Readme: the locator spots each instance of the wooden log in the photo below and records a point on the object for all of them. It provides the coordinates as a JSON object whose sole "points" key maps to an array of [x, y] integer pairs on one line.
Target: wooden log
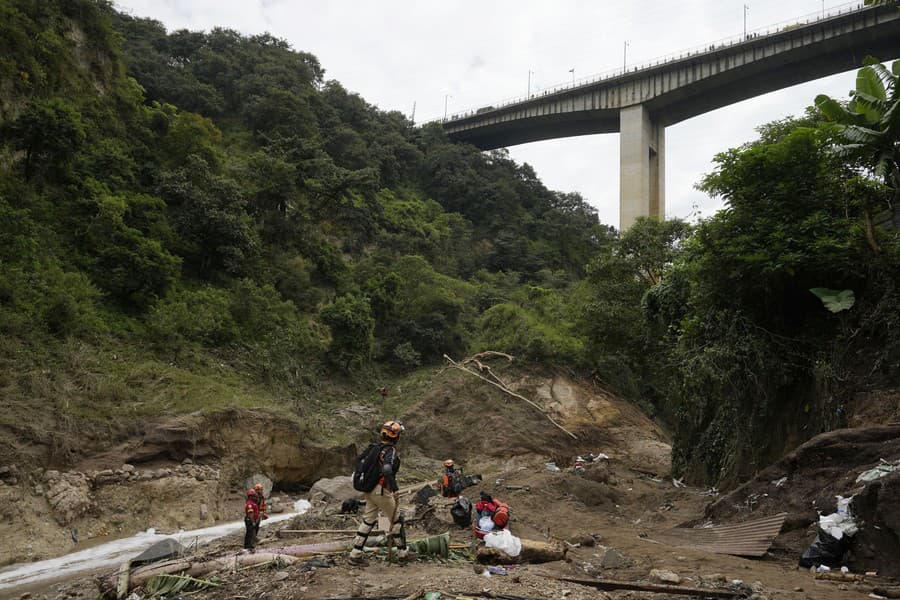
{"points": [[611, 585], [532, 552], [887, 592], [839, 576]]}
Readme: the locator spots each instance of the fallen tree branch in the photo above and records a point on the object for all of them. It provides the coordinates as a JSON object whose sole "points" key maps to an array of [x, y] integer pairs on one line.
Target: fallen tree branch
{"points": [[611, 584], [457, 365]]}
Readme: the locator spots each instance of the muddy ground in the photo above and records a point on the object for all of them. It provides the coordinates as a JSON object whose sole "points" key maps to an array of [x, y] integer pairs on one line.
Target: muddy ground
{"points": [[617, 509]]}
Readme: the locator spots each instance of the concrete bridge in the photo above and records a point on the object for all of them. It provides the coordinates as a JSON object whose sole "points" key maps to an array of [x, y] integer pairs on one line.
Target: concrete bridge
{"points": [[640, 103]]}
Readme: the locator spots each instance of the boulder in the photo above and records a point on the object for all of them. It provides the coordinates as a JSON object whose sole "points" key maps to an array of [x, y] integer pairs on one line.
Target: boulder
{"points": [[877, 512], [259, 478], [664, 576], [69, 497], [333, 489]]}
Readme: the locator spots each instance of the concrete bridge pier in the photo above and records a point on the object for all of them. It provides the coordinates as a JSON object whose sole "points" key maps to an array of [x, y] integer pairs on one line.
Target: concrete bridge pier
{"points": [[642, 166]]}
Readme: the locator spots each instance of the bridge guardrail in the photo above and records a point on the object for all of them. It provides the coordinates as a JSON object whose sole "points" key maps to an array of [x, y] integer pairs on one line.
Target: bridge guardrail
{"points": [[810, 18]]}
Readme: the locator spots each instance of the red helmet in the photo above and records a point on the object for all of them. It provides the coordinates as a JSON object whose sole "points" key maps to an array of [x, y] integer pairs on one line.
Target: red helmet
{"points": [[251, 493], [391, 430]]}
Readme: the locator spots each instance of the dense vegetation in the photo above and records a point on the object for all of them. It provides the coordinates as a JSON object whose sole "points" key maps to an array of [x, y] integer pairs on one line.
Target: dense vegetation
{"points": [[210, 202]]}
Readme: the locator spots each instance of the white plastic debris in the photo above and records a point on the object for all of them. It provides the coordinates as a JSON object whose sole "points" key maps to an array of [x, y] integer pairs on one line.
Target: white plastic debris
{"points": [[841, 522], [551, 466], [780, 482], [883, 468]]}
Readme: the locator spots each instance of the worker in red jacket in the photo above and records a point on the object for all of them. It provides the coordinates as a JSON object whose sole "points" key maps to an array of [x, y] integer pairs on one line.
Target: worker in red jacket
{"points": [[251, 519], [261, 501]]}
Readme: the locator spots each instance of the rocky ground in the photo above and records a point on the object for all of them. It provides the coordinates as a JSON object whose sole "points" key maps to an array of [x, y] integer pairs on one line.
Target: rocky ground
{"points": [[604, 518]]}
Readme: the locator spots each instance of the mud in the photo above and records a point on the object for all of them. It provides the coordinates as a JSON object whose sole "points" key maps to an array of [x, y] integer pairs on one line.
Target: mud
{"points": [[605, 516]]}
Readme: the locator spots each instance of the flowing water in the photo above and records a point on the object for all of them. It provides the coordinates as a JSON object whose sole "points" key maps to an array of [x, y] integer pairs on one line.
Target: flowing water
{"points": [[111, 554]]}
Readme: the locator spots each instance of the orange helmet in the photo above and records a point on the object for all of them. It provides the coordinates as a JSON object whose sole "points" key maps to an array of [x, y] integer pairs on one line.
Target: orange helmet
{"points": [[449, 463], [251, 493], [390, 431], [258, 487]]}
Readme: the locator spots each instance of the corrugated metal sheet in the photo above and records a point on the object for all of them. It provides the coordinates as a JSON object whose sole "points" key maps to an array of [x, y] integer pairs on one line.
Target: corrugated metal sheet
{"points": [[751, 538]]}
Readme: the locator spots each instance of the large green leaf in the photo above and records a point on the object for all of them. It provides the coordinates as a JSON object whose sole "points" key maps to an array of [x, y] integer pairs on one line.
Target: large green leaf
{"points": [[835, 300], [868, 82], [832, 109], [895, 68]]}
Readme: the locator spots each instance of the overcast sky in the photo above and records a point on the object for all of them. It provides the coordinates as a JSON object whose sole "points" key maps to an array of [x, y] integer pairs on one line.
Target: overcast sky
{"points": [[397, 53]]}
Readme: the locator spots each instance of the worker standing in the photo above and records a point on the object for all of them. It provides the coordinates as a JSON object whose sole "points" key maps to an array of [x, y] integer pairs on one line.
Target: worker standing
{"points": [[261, 502], [251, 519], [383, 497]]}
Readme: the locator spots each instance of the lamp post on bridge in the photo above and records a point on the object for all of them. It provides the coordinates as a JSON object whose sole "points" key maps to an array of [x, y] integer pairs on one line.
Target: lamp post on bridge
{"points": [[746, 8], [530, 73], [445, 105], [572, 71], [624, 57]]}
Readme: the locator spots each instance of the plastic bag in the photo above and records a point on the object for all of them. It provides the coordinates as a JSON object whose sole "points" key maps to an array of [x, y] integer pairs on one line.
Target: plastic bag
{"points": [[826, 550], [462, 512], [486, 524], [503, 540], [841, 522]]}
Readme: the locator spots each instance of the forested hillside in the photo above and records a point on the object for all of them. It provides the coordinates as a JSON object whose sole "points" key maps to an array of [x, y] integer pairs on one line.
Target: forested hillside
{"points": [[203, 219]]}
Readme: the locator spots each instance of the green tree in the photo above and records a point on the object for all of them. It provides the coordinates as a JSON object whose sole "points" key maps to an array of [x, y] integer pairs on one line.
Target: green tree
{"points": [[49, 132], [868, 131], [350, 320]]}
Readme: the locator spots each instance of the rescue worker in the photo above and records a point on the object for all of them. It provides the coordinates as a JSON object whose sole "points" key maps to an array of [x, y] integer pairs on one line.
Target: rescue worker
{"points": [[261, 501], [448, 479], [384, 497], [251, 519]]}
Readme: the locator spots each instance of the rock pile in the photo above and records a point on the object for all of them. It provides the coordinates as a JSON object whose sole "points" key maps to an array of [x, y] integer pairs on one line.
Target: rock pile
{"points": [[70, 493]]}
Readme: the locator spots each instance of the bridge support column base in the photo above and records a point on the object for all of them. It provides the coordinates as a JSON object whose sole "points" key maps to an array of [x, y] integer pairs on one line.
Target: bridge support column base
{"points": [[642, 166]]}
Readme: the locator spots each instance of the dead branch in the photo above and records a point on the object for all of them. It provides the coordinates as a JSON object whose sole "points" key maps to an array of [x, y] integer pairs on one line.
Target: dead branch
{"points": [[457, 365], [610, 584]]}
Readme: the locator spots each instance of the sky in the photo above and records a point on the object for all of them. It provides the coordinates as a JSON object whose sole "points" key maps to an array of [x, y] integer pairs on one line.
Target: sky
{"points": [[463, 54]]}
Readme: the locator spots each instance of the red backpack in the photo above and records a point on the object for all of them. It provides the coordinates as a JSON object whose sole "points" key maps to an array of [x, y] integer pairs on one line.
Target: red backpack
{"points": [[501, 515]]}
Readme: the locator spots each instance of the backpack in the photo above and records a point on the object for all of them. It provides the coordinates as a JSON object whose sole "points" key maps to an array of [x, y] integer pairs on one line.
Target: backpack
{"points": [[462, 512], [501, 515], [451, 484], [366, 470]]}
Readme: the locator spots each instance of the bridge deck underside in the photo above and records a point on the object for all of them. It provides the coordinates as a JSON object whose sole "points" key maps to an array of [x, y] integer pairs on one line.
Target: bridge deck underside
{"points": [[701, 84]]}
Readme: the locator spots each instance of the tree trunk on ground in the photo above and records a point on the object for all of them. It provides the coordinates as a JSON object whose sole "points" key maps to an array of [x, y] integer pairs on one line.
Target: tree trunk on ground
{"points": [[532, 552]]}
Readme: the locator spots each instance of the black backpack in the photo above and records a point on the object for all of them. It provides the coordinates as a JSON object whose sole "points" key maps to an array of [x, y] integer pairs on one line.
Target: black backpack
{"points": [[366, 470], [462, 512]]}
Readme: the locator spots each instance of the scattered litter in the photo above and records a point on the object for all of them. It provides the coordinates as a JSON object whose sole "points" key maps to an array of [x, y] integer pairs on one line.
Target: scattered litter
{"points": [[823, 569], [840, 522], [845, 570], [551, 466], [831, 541], [710, 492], [679, 483], [497, 570], [780, 482], [883, 468]]}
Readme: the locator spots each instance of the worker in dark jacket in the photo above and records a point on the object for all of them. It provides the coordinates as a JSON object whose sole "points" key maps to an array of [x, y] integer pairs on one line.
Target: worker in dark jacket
{"points": [[251, 519], [384, 497]]}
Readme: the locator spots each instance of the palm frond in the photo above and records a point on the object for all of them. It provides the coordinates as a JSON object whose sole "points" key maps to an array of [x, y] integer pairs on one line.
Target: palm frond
{"points": [[167, 585]]}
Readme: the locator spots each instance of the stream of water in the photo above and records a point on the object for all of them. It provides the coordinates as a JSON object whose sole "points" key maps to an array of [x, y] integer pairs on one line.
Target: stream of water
{"points": [[111, 554]]}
